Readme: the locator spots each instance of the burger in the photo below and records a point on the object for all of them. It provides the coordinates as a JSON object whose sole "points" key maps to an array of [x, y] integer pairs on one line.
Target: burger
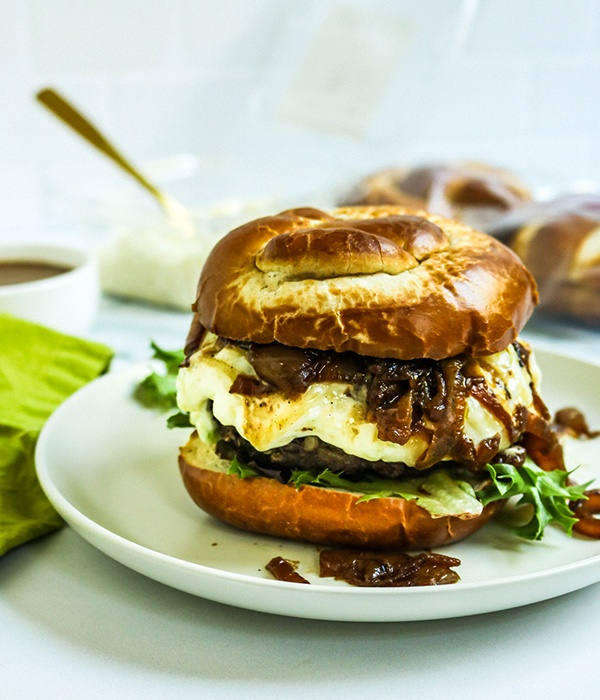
{"points": [[355, 378]]}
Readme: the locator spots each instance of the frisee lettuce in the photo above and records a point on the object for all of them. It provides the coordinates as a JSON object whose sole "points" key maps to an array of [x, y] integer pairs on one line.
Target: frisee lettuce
{"points": [[549, 492], [441, 495], [171, 359], [241, 470], [159, 391], [437, 492]]}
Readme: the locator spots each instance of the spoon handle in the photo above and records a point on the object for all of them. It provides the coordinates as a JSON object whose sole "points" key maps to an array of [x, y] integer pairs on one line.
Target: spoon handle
{"points": [[59, 106]]}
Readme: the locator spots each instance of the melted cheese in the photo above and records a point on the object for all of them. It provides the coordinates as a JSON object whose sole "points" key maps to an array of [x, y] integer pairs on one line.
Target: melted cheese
{"points": [[332, 411]]}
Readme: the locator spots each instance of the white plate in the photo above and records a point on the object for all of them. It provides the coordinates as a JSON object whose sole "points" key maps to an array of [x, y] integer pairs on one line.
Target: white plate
{"points": [[110, 468]]}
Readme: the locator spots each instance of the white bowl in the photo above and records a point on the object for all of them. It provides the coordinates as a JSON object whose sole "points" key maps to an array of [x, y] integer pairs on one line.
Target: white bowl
{"points": [[67, 301]]}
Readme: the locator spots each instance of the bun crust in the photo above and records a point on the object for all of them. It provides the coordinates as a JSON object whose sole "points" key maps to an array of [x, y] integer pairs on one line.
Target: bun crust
{"points": [[314, 514], [382, 281]]}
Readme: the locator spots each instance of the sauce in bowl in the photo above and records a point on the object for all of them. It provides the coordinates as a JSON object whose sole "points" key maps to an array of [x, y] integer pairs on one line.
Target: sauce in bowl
{"points": [[19, 271]]}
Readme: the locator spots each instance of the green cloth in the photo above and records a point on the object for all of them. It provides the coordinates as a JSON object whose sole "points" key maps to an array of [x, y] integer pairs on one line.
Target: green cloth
{"points": [[39, 369]]}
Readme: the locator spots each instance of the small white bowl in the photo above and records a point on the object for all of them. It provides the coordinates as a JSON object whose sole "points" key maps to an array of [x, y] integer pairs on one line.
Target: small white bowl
{"points": [[66, 301]]}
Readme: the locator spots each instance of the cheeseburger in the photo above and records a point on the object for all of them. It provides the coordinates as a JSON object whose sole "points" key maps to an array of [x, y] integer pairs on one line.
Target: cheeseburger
{"points": [[351, 376]]}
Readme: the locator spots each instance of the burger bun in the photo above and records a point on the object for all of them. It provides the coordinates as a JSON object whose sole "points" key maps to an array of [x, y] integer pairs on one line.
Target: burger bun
{"points": [[313, 513]]}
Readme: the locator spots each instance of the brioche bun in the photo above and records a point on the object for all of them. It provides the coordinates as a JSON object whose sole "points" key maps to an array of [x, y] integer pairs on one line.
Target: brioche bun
{"points": [[382, 281], [315, 514], [386, 283]]}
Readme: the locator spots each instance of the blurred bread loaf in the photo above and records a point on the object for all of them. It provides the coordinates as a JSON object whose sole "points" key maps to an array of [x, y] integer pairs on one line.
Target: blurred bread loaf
{"points": [[559, 241], [473, 193]]}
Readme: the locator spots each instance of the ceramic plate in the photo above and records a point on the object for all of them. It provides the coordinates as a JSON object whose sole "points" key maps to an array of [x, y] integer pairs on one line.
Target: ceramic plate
{"points": [[110, 468]]}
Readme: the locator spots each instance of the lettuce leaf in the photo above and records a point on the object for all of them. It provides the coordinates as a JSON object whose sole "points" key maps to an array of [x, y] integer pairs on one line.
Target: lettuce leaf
{"points": [[179, 420], [159, 390], [441, 494], [437, 491], [548, 492], [241, 470], [171, 359]]}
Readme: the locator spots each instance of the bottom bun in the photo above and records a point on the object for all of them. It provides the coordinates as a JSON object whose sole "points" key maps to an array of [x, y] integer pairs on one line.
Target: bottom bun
{"points": [[313, 513]]}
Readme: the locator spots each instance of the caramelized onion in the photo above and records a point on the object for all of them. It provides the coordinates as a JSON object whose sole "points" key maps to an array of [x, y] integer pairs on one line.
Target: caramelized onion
{"points": [[407, 398], [285, 570], [573, 421], [291, 370], [249, 386], [585, 509], [388, 569]]}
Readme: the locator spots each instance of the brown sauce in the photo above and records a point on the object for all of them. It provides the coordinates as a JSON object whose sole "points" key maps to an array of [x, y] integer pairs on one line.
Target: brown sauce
{"points": [[284, 570], [388, 569], [19, 271], [572, 421], [375, 569]]}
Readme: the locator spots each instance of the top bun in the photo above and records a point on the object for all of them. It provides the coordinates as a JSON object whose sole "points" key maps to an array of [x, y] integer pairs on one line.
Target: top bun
{"points": [[384, 281]]}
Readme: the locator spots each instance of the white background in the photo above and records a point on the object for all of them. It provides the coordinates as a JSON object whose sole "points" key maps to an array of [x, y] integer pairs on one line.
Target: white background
{"points": [[287, 98]]}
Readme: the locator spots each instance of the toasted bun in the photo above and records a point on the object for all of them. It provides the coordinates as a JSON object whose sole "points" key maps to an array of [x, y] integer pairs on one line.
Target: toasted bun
{"points": [[312, 513], [382, 281]]}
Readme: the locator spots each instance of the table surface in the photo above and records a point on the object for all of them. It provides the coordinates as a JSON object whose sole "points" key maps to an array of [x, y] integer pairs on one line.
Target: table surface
{"points": [[76, 624]]}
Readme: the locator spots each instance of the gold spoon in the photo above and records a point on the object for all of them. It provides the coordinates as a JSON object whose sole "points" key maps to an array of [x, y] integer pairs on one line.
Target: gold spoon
{"points": [[178, 214]]}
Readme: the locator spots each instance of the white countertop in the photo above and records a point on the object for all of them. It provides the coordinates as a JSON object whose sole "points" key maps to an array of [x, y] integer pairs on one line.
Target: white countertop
{"points": [[76, 624]]}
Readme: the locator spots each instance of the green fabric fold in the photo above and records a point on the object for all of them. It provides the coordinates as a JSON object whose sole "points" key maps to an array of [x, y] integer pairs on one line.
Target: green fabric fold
{"points": [[39, 369]]}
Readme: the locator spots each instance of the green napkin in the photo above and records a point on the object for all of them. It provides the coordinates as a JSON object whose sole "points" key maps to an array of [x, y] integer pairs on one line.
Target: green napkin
{"points": [[39, 368]]}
